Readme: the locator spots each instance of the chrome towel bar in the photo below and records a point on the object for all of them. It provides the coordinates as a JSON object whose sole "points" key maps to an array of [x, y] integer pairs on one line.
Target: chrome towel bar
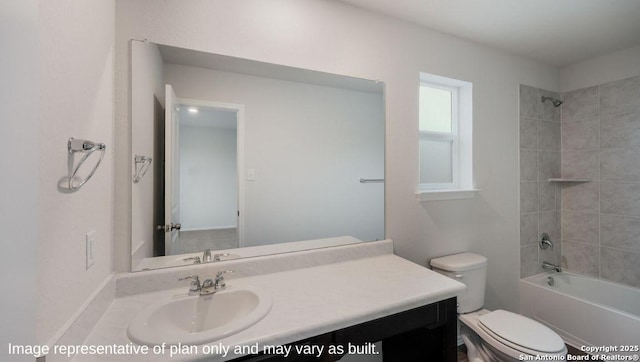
{"points": [[371, 180]]}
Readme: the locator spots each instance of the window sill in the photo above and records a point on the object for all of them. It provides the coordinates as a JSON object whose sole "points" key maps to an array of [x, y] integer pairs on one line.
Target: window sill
{"points": [[437, 195]]}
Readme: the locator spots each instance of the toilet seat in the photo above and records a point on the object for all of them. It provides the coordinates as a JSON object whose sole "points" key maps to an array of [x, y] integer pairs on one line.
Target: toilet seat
{"points": [[526, 334], [521, 332]]}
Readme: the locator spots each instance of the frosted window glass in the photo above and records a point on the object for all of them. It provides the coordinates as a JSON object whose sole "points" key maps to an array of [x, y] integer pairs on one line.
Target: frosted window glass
{"points": [[436, 161], [435, 109]]}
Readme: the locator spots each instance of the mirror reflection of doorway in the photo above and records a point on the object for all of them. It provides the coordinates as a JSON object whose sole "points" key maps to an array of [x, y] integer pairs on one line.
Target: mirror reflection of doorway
{"points": [[200, 168], [208, 179]]}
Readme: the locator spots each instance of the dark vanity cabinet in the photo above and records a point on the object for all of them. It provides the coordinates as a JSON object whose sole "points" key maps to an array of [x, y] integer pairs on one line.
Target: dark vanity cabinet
{"points": [[426, 333]]}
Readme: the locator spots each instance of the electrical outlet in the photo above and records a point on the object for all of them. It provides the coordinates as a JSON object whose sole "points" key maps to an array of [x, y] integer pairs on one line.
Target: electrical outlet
{"points": [[90, 238]]}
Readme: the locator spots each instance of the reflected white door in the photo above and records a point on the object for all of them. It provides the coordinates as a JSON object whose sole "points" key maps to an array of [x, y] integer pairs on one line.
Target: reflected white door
{"points": [[171, 171]]}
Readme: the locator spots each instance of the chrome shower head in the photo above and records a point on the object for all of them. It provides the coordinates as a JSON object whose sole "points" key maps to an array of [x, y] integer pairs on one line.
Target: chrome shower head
{"points": [[556, 102]]}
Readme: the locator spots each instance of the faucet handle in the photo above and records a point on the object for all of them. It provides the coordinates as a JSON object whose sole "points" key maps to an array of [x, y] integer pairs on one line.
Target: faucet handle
{"points": [[194, 277], [195, 283], [196, 259], [217, 257], [545, 242], [219, 282]]}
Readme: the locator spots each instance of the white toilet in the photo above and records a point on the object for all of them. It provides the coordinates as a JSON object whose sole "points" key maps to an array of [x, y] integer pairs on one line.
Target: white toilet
{"points": [[499, 335]]}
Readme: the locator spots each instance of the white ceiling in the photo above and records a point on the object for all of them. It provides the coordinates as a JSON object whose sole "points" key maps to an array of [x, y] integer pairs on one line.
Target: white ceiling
{"points": [[557, 32]]}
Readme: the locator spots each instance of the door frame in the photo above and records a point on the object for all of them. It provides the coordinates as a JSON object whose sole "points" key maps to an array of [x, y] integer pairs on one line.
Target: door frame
{"points": [[239, 109]]}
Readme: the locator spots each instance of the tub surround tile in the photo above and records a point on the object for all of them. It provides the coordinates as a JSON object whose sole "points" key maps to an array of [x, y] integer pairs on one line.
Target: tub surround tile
{"points": [[528, 165], [620, 130], [558, 198], [548, 165], [620, 198], [549, 136], [581, 197], [580, 226], [540, 160], [621, 232], [551, 256], [581, 164], [529, 101], [529, 261], [547, 196], [621, 266], [598, 140], [549, 222], [620, 164], [528, 133], [620, 96], [528, 197], [580, 258], [580, 104], [581, 135], [528, 229]]}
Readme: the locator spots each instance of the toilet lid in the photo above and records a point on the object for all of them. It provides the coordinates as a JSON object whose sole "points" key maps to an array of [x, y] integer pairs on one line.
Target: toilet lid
{"points": [[522, 331]]}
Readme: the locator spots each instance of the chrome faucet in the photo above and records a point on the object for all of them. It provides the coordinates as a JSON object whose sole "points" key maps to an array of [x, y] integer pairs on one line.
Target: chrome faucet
{"points": [[206, 256], [208, 286], [195, 287], [549, 266], [196, 259]]}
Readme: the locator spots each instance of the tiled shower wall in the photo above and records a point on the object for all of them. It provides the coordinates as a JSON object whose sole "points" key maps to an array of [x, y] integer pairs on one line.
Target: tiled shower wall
{"points": [[539, 160], [600, 219]]}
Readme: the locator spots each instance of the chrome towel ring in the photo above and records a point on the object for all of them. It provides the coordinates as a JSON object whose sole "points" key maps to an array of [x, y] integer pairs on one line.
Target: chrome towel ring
{"points": [[87, 147]]}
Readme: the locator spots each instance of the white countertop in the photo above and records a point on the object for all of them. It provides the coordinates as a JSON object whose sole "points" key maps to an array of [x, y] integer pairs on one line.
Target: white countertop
{"points": [[306, 302]]}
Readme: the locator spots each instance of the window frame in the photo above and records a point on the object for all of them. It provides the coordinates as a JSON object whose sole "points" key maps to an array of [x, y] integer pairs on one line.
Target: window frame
{"points": [[453, 137], [462, 186]]}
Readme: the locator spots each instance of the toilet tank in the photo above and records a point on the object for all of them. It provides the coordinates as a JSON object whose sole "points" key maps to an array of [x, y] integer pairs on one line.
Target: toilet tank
{"points": [[469, 269]]}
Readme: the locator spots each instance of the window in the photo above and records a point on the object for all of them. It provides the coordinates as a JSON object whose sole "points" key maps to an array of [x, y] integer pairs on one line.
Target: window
{"points": [[438, 137], [445, 134]]}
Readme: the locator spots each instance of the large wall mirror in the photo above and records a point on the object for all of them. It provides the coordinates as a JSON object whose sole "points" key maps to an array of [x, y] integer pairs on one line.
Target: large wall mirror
{"points": [[236, 158]]}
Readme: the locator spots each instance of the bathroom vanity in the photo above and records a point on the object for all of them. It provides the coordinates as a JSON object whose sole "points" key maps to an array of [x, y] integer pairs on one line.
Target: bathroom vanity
{"points": [[340, 297], [426, 333]]}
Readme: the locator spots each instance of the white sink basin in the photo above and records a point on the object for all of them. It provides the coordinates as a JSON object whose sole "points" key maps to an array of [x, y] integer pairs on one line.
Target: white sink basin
{"points": [[199, 319]]}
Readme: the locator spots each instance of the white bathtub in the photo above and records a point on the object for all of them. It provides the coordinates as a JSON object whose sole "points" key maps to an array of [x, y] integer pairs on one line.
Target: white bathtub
{"points": [[585, 312]]}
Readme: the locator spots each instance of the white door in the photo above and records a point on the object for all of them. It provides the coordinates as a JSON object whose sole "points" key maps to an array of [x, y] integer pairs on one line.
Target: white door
{"points": [[171, 171]]}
